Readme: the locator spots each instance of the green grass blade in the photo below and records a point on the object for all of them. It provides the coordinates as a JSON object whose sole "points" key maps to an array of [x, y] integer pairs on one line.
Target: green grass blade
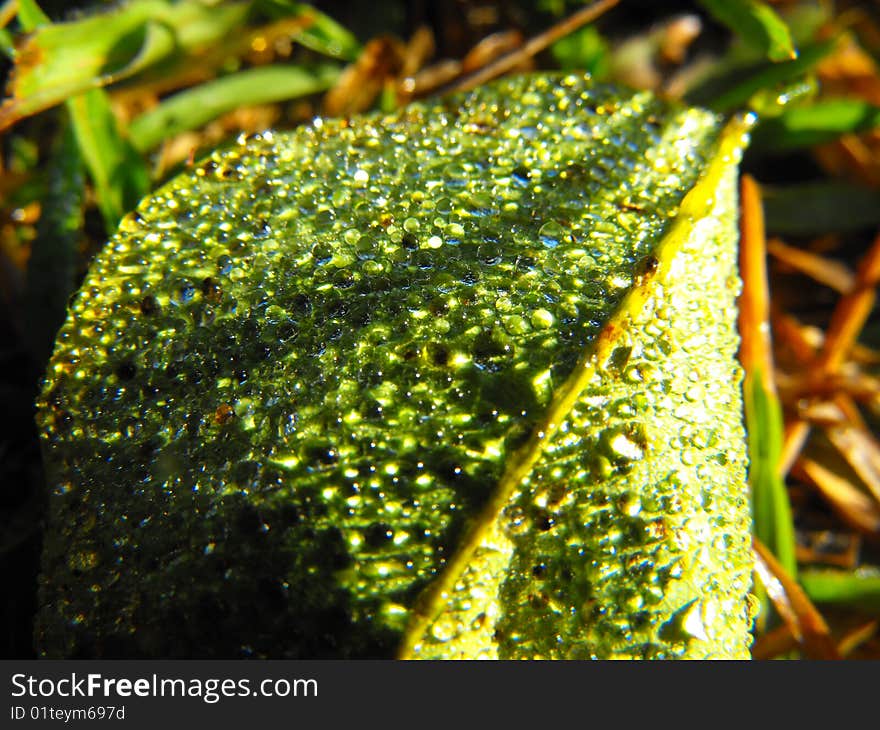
{"points": [[860, 589], [322, 35], [194, 107], [61, 60], [823, 121], [51, 267], [816, 208], [757, 24], [771, 510], [31, 16], [7, 44], [119, 174], [738, 86]]}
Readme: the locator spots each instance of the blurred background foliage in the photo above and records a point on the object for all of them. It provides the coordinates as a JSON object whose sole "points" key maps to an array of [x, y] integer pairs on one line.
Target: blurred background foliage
{"points": [[105, 101]]}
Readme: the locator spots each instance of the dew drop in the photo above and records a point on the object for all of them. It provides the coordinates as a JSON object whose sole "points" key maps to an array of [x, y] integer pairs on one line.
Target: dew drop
{"points": [[542, 319], [444, 629], [443, 206], [551, 234], [341, 197]]}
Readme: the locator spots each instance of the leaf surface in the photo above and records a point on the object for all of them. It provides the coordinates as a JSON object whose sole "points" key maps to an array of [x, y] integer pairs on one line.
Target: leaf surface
{"points": [[455, 382]]}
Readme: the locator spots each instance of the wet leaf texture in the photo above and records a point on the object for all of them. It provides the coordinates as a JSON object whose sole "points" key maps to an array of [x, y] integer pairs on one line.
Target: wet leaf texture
{"points": [[295, 381]]}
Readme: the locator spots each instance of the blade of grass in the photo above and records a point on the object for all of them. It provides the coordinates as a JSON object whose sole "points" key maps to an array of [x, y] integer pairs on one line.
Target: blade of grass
{"points": [[771, 510], [757, 24], [859, 589], [31, 16], [8, 11], [119, 174], [808, 625], [7, 45], [61, 60], [204, 64], [734, 92], [51, 266], [196, 106], [321, 34], [812, 124]]}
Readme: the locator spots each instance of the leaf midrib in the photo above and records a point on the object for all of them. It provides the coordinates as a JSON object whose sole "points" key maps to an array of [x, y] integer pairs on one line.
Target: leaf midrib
{"points": [[595, 355]]}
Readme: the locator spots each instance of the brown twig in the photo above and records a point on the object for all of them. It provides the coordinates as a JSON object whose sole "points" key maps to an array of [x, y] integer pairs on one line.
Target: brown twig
{"points": [[530, 49], [826, 271], [774, 643], [850, 314], [861, 451], [795, 437], [795, 608], [853, 506], [858, 636]]}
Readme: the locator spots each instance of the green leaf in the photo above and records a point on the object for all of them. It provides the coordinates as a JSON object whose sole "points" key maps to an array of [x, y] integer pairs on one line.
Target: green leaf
{"points": [[31, 16], [735, 88], [771, 509], [459, 381], [757, 24], [198, 105], [821, 121], [119, 174], [859, 589], [61, 60], [814, 208]]}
